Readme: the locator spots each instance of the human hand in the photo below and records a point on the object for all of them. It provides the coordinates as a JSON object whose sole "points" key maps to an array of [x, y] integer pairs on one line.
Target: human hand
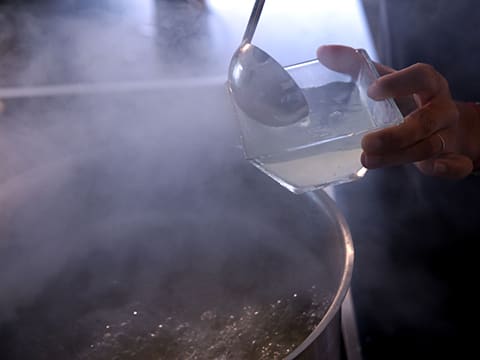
{"points": [[438, 135]]}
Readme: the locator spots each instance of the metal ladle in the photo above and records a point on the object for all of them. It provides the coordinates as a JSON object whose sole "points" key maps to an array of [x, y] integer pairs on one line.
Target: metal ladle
{"points": [[260, 86]]}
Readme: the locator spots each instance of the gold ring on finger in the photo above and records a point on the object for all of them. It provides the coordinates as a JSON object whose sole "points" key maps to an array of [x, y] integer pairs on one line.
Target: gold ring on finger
{"points": [[442, 140]]}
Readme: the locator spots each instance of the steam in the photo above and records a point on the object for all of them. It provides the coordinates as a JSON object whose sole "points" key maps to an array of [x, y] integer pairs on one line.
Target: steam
{"points": [[51, 139], [105, 88], [119, 196]]}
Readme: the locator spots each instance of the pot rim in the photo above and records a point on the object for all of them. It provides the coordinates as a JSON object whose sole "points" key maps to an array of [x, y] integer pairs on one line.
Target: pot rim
{"points": [[322, 199]]}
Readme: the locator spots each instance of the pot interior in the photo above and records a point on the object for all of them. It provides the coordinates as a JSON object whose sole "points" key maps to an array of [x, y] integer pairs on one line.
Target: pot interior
{"points": [[133, 231]]}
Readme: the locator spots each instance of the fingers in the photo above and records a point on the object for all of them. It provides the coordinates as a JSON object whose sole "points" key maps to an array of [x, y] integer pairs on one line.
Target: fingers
{"points": [[383, 69], [446, 165], [449, 166], [427, 133], [340, 58], [420, 79], [427, 136], [345, 60], [419, 125], [424, 149]]}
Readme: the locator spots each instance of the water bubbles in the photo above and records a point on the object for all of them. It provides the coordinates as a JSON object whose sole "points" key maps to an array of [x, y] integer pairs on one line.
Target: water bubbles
{"points": [[335, 116], [263, 331], [208, 315], [182, 326], [305, 122]]}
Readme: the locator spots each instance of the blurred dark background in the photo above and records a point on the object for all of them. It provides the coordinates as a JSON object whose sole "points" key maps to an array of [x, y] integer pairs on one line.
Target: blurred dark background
{"points": [[414, 235]]}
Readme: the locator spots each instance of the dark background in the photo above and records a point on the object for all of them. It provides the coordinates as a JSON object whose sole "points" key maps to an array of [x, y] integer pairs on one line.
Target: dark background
{"points": [[414, 235]]}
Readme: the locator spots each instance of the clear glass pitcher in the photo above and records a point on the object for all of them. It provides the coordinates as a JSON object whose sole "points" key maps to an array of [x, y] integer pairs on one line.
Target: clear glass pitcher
{"points": [[323, 148]]}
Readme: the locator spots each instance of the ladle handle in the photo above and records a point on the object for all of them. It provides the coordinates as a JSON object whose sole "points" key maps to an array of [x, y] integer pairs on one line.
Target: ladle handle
{"points": [[253, 21]]}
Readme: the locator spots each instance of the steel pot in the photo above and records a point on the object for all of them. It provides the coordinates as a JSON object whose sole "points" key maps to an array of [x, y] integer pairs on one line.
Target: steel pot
{"points": [[147, 235]]}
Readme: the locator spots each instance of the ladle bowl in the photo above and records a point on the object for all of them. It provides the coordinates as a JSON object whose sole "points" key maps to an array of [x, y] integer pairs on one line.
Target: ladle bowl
{"points": [[263, 89], [260, 86]]}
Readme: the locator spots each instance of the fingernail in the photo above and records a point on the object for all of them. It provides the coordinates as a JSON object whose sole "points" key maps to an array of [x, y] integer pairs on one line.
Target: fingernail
{"points": [[374, 91], [439, 168], [363, 159]]}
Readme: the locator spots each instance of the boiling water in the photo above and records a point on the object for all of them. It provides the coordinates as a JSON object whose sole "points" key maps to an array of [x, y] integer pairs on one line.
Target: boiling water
{"points": [[323, 149], [254, 331]]}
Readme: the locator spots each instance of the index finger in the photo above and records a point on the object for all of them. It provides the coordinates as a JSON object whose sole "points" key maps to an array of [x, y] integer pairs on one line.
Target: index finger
{"points": [[419, 125], [420, 79]]}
